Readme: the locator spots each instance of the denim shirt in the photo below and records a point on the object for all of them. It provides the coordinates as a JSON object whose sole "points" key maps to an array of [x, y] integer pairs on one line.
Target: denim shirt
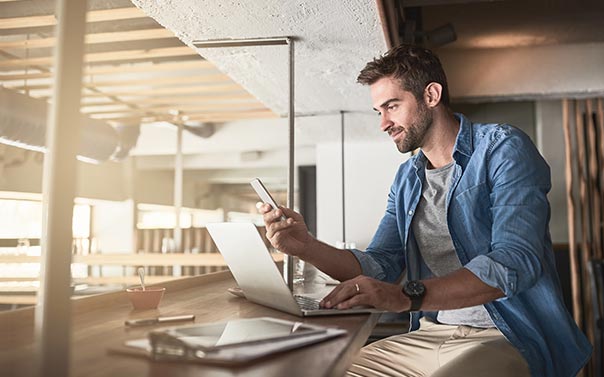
{"points": [[498, 216]]}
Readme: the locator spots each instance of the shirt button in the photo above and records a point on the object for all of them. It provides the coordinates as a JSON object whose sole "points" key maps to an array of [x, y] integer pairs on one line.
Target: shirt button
{"points": [[410, 212]]}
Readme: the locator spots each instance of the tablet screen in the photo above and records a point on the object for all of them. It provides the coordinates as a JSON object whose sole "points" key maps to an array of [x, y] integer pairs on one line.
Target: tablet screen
{"points": [[240, 331]]}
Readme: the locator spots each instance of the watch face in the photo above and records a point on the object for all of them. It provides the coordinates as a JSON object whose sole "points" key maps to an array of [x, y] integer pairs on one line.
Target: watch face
{"points": [[415, 288]]}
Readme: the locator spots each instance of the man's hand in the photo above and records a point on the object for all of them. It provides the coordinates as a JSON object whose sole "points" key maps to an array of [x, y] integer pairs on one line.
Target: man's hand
{"points": [[289, 236], [365, 291]]}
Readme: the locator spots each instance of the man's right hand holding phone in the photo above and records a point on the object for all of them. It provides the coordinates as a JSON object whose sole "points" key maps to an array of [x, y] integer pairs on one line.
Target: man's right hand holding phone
{"points": [[289, 236]]}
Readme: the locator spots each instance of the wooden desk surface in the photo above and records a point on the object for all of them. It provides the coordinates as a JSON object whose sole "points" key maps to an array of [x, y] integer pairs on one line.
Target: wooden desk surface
{"points": [[98, 324], [139, 259]]}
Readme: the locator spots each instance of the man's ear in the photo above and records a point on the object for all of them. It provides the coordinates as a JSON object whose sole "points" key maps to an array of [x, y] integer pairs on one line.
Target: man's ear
{"points": [[432, 94]]}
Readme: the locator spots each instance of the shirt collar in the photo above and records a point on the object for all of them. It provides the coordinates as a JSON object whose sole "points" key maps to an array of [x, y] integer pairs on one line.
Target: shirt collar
{"points": [[463, 142]]}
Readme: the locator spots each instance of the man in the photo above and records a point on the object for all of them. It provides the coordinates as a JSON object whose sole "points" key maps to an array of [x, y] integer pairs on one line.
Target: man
{"points": [[467, 220]]}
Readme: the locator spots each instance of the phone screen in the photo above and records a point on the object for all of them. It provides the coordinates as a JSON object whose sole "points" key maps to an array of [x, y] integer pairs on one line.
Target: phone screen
{"points": [[264, 194]]}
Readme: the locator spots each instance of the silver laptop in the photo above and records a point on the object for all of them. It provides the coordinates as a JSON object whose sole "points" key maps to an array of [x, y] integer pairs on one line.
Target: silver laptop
{"points": [[257, 274]]}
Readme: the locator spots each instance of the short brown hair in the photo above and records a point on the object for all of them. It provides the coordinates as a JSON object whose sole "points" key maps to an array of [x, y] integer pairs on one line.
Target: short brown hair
{"points": [[415, 67]]}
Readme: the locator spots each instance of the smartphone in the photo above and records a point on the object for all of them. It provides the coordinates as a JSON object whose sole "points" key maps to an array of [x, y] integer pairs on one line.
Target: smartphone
{"points": [[264, 194]]}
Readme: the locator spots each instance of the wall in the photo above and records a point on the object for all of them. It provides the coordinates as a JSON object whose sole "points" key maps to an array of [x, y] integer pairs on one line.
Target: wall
{"points": [[102, 181], [530, 72], [20, 170], [520, 114], [114, 236], [369, 172], [550, 140]]}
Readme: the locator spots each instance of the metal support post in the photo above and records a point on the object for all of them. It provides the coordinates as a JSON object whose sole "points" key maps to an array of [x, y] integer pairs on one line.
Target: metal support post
{"points": [[288, 267], [53, 312]]}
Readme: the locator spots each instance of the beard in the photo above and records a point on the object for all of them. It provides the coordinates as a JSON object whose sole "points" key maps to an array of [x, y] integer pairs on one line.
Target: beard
{"points": [[417, 131]]}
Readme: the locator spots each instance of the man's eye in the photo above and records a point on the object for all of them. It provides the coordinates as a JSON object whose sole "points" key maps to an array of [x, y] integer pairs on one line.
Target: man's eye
{"points": [[392, 107]]}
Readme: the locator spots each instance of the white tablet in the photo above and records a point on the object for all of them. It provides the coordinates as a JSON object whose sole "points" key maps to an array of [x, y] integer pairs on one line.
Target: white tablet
{"points": [[235, 342]]}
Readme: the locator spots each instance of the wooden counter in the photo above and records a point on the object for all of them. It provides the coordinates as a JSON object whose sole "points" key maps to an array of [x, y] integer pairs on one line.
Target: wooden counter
{"points": [[140, 259], [98, 324]]}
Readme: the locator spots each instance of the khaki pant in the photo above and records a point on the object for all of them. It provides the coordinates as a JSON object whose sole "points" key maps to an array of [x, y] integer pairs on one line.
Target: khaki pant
{"points": [[441, 350]]}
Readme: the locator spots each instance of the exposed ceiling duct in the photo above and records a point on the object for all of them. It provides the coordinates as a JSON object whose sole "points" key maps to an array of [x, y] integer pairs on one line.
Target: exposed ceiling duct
{"points": [[203, 130], [404, 24], [23, 122]]}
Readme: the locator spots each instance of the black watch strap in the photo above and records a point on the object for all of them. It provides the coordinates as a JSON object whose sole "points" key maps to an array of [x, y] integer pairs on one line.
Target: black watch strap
{"points": [[415, 290], [416, 303]]}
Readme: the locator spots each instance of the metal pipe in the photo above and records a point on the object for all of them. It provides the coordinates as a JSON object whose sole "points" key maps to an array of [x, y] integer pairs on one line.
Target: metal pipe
{"points": [[343, 179], [246, 42], [288, 267], [178, 173], [291, 116], [53, 313]]}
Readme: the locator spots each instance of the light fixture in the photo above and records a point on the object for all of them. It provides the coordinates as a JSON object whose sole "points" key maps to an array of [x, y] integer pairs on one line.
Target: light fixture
{"points": [[203, 130], [440, 36]]}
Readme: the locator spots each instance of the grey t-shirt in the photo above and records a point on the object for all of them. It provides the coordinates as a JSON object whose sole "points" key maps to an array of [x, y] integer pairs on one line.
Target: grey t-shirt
{"points": [[435, 245]]}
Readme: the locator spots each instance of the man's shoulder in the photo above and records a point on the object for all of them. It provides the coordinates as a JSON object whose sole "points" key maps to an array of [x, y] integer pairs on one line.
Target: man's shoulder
{"points": [[493, 133], [494, 129]]}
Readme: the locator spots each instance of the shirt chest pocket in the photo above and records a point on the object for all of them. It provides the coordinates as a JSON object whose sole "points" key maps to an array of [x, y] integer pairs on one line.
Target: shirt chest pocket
{"points": [[470, 216]]}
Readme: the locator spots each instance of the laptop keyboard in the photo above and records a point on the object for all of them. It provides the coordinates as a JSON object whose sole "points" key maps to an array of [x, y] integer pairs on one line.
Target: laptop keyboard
{"points": [[307, 303]]}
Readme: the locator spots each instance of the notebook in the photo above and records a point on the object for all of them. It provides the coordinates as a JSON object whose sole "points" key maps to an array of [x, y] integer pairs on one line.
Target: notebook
{"points": [[257, 274]]}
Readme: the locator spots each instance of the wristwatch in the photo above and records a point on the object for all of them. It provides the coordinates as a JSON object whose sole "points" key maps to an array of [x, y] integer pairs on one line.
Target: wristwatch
{"points": [[415, 290]]}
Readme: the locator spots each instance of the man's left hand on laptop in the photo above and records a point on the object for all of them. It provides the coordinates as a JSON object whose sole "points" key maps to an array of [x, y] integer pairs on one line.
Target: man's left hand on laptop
{"points": [[366, 291]]}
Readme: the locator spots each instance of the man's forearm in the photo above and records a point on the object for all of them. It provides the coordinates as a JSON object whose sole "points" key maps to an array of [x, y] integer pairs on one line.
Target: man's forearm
{"points": [[459, 289], [338, 263]]}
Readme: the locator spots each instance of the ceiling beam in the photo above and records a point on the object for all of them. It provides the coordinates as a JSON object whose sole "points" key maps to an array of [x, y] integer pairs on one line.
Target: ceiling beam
{"points": [[173, 100], [103, 57], [91, 16], [158, 81], [214, 117], [110, 37], [118, 69], [129, 81], [223, 117], [183, 108], [170, 91]]}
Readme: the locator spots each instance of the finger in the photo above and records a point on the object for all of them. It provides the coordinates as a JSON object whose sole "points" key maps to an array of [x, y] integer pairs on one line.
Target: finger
{"points": [[264, 208], [340, 294], [356, 300], [278, 227], [291, 214], [326, 302], [272, 216]]}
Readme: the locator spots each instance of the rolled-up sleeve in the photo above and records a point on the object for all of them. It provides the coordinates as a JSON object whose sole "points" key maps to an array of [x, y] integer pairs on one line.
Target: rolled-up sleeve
{"points": [[494, 274], [368, 265]]}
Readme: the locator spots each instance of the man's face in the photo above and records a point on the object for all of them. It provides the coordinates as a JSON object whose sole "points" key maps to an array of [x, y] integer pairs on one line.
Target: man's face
{"points": [[406, 120]]}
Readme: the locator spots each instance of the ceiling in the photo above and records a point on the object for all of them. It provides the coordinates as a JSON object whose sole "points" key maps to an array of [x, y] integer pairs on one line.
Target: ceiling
{"points": [[156, 75], [336, 38], [333, 39], [135, 70], [517, 23]]}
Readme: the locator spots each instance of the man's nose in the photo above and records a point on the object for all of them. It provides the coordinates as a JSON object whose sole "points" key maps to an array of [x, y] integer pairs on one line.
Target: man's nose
{"points": [[385, 123]]}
